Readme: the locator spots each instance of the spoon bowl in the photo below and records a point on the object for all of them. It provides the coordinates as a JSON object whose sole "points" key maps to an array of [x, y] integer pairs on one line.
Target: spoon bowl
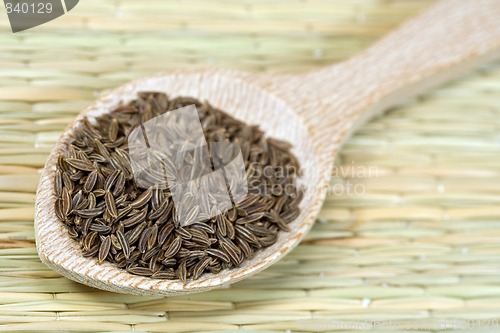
{"points": [[225, 90], [315, 111]]}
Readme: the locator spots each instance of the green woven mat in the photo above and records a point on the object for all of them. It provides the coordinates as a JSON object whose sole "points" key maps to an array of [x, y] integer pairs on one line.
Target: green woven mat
{"points": [[409, 235]]}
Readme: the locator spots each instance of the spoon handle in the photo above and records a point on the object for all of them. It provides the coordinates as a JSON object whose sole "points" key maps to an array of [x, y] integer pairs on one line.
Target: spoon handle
{"points": [[444, 41]]}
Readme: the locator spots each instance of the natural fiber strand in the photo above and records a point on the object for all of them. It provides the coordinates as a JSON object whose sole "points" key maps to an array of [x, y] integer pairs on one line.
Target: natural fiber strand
{"points": [[418, 242]]}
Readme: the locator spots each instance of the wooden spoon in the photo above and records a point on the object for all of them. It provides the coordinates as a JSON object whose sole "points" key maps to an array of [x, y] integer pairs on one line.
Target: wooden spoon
{"points": [[315, 111]]}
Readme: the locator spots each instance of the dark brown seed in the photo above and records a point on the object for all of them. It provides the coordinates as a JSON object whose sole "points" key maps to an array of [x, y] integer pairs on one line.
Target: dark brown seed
{"points": [[115, 242], [278, 205], [150, 254], [140, 271], [90, 182], [66, 202], [58, 210], [221, 225], [72, 232], [110, 204], [248, 201], [230, 229], [255, 209], [165, 231], [273, 217], [136, 218], [104, 249], [200, 267], [232, 214], [291, 215], [197, 232], [203, 227], [100, 228], [188, 245], [245, 248], [214, 269], [76, 176], [101, 149], [119, 184], [203, 241], [58, 182], [83, 203], [183, 233], [219, 254], [89, 240], [256, 230], [168, 275], [144, 239], [90, 212], [110, 180], [134, 255], [121, 201], [153, 237], [196, 254], [231, 250], [142, 199], [67, 182], [169, 262], [92, 251], [80, 165], [99, 192], [159, 211], [182, 271], [173, 248], [267, 241], [134, 234], [157, 198], [250, 218], [76, 200], [86, 225], [113, 130], [123, 243], [248, 235]]}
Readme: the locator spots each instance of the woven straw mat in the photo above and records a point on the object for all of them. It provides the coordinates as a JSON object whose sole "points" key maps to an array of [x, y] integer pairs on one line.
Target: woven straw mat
{"points": [[409, 235]]}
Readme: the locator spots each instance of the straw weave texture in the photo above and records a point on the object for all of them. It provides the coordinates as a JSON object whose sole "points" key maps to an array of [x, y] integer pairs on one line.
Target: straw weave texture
{"points": [[414, 233]]}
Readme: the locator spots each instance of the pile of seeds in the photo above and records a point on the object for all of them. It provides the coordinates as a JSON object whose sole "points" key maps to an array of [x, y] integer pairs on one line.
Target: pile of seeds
{"points": [[116, 220]]}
